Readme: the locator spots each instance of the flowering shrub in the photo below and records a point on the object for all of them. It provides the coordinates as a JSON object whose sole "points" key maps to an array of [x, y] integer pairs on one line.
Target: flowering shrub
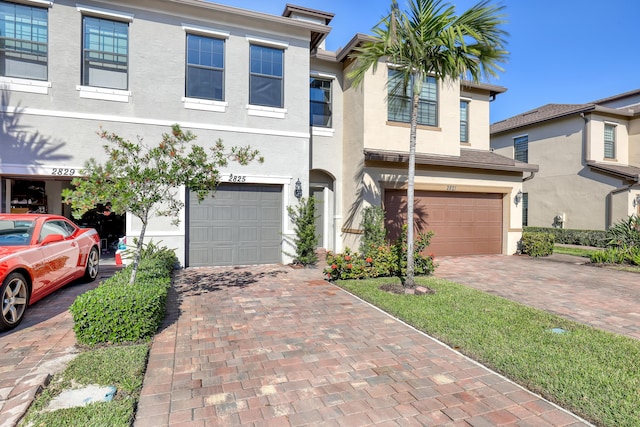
{"points": [[382, 260]]}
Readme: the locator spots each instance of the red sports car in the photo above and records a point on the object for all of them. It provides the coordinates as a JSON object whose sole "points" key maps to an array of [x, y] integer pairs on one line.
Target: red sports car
{"points": [[38, 255]]}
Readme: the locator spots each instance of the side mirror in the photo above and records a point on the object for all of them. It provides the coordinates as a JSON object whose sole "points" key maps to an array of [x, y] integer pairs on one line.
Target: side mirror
{"points": [[52, 238]]}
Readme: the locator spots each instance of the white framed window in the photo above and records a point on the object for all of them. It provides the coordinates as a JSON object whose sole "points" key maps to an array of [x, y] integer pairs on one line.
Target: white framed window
{"points": [[266, 76], [521, 148], [464, 121], [105, 53], [321, 103], [399, 104], [609, 141], [24, 41], [205, 67]]}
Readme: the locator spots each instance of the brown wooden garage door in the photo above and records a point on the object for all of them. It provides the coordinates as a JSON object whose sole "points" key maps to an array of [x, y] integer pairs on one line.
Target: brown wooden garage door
{"points": [[463, 223]]}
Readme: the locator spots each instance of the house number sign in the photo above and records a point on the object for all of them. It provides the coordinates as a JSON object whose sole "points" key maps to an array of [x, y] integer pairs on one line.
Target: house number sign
{"points": [[63, 172], [451, 188], [237, 178]]}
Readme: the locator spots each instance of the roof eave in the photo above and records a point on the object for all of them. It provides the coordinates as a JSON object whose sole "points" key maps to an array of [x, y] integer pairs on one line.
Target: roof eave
{"points": [[449, 161]]}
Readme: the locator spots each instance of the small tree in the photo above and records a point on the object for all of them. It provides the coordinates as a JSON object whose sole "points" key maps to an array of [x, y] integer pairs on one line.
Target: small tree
{"points": [[144, 180], [304, 223]]}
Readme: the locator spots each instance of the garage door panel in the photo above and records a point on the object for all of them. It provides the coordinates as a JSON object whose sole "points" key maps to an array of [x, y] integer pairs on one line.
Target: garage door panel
{"points": [[242, 224], [247, 234], [463, 223]]}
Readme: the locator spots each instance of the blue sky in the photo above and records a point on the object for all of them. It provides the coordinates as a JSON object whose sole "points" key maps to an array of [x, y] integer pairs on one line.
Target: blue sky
{"points": [[561, 51]]}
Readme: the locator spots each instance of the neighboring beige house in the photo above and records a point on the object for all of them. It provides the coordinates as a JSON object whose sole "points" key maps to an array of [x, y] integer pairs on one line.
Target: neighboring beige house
{"points": [[464, 192], [589, 159]]}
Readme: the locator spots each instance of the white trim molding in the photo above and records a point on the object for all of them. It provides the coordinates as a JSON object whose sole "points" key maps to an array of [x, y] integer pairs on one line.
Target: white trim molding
{"points": [[204, 104], [322, 75], [45, 3], [272, 112], [194, 29], [267, 42], [153, 122], [25, 85], [320, 131], [106, 13], [104, 94]]}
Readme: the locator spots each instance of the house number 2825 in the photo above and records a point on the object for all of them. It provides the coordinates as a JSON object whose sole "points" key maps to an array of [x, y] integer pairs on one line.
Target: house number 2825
{"points": [[237, 178]]}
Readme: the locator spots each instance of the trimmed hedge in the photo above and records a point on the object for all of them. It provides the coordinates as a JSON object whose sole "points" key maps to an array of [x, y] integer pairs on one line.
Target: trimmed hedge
{"points": [[566, 236], [537, 244], [116, 312]]}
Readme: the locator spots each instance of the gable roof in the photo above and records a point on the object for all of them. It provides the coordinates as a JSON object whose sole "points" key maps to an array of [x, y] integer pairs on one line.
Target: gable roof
{"points": [[468, 158], [554, 111]]}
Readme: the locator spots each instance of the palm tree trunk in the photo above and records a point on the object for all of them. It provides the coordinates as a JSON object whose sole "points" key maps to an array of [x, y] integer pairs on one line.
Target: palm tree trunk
{"points": [[409, 281]]}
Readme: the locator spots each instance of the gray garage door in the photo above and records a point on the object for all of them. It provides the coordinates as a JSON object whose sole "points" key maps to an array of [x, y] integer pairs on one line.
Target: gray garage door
{"points": [[241, 225]]}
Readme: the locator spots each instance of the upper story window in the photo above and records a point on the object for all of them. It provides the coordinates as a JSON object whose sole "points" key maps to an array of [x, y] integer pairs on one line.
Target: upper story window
{"points": [[266, 78], [521, 148], [609, 141], [321, 103], [105, 53], [205, 67], [23, 41], [464, 121], [399, 105]]}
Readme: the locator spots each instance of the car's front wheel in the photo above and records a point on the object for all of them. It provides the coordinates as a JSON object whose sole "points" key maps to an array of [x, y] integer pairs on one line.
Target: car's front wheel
{"points": [[15, 293], [93, 265]]}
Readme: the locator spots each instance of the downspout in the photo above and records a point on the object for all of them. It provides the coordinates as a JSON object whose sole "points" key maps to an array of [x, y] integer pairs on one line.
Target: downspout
{"points": [[586, 143], [529, 177]]}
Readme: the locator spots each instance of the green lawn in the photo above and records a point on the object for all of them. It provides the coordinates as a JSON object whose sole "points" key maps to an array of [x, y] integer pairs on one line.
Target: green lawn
{"points": [[593, 373], [122, 367], [573, 251]]}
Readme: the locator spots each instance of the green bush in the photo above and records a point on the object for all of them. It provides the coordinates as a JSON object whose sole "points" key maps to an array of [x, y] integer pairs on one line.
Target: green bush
{"points": [[304, 225], [596, 238], [384, 260], [537, 244], [615, 255], [373, 226], [116, 312], [625, 233]]}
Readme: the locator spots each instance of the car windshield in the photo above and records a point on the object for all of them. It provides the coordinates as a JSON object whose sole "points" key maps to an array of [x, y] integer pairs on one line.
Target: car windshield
{"points": [[15, 232]]}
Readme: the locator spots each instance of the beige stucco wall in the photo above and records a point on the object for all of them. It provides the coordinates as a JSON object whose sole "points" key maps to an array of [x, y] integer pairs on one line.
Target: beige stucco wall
{"points": [[380, 134], [596, 137], [634, 142], [479, 120]]}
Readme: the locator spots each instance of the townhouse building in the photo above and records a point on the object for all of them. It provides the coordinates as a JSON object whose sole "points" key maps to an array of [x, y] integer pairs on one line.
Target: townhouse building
{"points": [[69, 69], [589, 160]]}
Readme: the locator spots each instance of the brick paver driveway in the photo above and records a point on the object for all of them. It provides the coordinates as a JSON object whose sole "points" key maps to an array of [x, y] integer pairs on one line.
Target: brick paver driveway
{"points": [[272, 346], [601, 297]]}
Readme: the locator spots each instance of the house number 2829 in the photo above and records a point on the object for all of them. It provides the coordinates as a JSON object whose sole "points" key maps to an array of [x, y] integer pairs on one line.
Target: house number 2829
{"points": [[237, 178]]}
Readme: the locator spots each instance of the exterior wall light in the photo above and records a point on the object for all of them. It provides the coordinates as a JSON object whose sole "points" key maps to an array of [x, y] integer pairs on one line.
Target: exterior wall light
{"points": [[518, 198], [298, 189], [636, 201]]}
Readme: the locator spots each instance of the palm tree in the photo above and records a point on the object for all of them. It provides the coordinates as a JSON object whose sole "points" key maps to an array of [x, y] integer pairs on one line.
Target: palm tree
{"points": [[430, 40]]}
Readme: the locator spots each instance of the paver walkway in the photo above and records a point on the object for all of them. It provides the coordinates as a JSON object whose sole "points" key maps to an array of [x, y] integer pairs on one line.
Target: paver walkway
{"points": [[40, 347], [600, 297], [272, 346]]}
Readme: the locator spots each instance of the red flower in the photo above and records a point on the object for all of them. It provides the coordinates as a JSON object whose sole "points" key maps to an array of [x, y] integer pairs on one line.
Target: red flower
{"points": [[369, 260], [349, 265], [333, 266], [347, 258]]}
